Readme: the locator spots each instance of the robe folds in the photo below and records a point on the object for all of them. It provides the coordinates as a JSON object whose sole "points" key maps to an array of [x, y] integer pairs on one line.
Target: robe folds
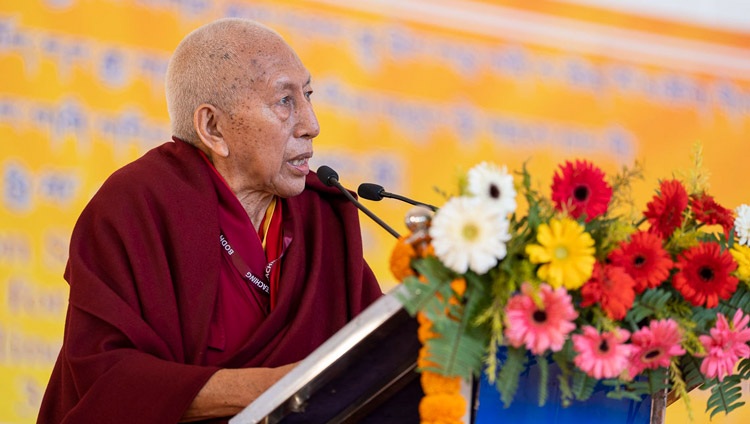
{"points": [[143, 273]]}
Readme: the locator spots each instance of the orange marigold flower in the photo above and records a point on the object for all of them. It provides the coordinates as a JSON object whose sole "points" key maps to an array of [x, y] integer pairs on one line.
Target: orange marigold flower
{"points": [[425, 333], [423, 359], [459, 286], [434, 383], [401, 257], [422, 319], [445, 421], [427, 251], [442, 407]]}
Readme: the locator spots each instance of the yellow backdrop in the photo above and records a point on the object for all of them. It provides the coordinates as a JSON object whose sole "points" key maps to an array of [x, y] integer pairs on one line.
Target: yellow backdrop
{"points": [[408, 94]]}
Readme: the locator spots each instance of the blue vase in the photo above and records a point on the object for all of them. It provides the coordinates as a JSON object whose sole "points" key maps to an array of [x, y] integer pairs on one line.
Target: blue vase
{"points": [[525, 408]]}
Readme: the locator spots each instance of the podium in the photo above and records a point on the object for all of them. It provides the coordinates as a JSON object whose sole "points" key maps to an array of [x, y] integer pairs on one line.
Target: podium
{"points": [[363, 373]]}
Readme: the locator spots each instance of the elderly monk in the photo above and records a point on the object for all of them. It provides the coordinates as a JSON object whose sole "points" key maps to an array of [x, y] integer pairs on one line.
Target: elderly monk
{"points": [[201, 271]]}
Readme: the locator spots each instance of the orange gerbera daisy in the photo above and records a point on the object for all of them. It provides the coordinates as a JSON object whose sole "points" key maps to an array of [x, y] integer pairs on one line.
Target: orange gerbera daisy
{"points": [[612, 288]]}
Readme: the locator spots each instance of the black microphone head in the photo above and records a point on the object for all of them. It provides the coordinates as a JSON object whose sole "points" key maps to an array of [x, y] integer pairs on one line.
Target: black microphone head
{"points": [[325, 173], [370, 191]]}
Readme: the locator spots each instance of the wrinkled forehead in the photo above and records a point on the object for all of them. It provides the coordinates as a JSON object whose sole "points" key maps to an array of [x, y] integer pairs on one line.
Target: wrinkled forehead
{"points": [[273, 51], [271, 60]]}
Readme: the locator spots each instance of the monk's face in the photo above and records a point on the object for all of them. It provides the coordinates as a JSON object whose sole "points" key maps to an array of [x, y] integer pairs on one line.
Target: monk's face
{"points": [[270, 130]]}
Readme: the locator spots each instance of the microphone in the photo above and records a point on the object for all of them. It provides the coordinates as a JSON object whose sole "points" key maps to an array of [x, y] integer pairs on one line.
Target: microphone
{"points": [[376, 192], [330, 178]]}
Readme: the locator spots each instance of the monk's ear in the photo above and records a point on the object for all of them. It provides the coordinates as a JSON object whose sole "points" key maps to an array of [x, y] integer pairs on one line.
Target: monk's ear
{"points": [[206, 120]]}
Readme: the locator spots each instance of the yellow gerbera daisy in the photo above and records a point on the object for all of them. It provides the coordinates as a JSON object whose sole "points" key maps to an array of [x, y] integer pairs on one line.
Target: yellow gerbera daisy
{"points": [[567, 252], [741, 254]]}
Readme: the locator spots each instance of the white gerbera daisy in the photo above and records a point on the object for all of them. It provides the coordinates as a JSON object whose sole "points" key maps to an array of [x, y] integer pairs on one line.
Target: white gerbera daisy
{"points": [[742, 224], [489, 181], [468, 233]]}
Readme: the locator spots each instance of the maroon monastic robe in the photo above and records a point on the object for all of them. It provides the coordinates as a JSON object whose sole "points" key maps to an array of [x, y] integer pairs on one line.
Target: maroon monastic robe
{"points": [[143, 274]]}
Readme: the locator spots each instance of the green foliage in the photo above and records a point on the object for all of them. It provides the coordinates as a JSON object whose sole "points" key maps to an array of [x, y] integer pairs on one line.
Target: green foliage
{"points": [[702, 318], [725, 396], [651, 382], [739, 300], [648, 305], [543, 365], [658, 380], [459, 350], [679, 386], [622, 189], [743, 369], [691, 372], [583, 385], [508, 377], [423, 294], [563, 360], [621, 391], [461, 345]]}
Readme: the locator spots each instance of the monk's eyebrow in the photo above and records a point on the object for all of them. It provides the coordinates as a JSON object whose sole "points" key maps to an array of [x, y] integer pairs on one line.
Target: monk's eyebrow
{"points": [[286, 84]]}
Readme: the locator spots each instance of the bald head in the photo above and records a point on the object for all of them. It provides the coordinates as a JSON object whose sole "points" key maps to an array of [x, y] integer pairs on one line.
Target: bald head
{"points": [[213, 65]]}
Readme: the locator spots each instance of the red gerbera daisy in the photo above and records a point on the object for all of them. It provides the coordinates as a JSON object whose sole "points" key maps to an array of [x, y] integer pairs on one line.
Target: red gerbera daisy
{"points": [[612, 288], [664, 212], [580, 188], [704, 275], [709, 212], [644, 259]]}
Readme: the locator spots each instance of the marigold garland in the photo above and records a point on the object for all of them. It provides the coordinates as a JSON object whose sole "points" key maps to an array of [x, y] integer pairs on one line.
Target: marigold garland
{"points": [[442, 401], [401, 257]]}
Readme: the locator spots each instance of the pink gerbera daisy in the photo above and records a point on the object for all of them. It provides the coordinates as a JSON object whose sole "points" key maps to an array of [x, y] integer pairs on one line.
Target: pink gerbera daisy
{"points": [[601, 355], [539, 327], [654, 346], [726, 345]]}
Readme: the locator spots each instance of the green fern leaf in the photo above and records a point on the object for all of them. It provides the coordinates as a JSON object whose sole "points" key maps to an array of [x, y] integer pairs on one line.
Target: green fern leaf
{"points": [[743, 369], [691, 372], [543, 365], [461, 346], [563, 361], [725, 396], [657, 380], [648, 305], [583, 385], [739, 300], [508, 377], [420, 294]]}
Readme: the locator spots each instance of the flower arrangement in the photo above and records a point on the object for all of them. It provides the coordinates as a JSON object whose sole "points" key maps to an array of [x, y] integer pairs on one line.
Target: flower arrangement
{"points": [[639, 302]]}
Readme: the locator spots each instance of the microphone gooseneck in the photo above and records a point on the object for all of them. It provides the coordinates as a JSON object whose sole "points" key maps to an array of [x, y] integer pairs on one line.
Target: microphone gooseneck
{"points": [[330, 178], [376, 193]]}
